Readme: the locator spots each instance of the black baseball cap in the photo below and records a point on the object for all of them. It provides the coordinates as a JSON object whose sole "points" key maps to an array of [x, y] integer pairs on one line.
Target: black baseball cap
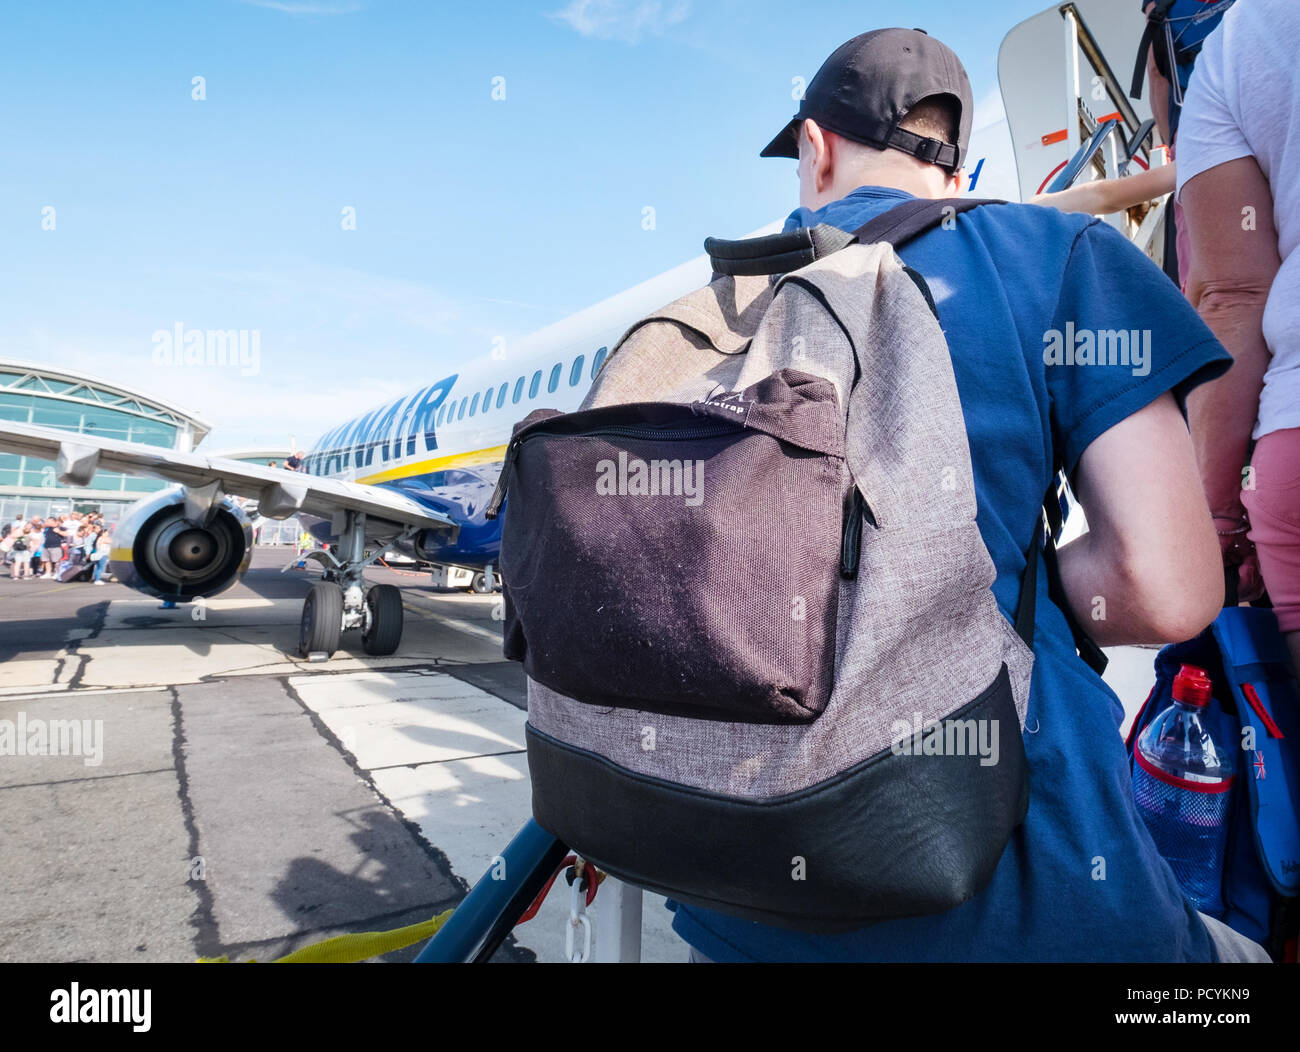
{"points": [[868, 85]]}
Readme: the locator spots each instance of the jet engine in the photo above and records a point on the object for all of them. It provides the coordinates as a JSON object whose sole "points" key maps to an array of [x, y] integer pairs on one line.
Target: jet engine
{"points": [[178, 548]]}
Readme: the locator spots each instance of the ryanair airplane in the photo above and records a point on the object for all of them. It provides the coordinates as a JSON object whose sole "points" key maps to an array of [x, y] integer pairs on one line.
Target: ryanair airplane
{"points": [[415, 474]]}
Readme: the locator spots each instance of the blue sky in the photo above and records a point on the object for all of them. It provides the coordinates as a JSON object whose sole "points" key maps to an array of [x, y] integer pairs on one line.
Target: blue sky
{"points": [[476, 218]]}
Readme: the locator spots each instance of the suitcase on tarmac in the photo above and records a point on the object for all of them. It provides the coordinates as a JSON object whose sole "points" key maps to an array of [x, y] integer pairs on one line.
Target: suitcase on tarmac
{"points": [[79, 570]]}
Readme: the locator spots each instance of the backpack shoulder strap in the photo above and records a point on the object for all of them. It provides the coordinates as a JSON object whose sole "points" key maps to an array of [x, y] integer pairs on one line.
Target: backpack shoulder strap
{"points": [[775, 253], [912, 218], [1054, 512], [782, 253], [1153, 33]]}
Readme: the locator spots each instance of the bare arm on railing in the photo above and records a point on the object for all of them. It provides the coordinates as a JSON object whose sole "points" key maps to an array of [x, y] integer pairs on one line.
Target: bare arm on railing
{"points": [[1104, 196]]}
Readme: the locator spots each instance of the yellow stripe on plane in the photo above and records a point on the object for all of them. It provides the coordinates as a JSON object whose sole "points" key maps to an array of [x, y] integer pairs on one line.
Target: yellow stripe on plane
{"points": [[491, 455]]}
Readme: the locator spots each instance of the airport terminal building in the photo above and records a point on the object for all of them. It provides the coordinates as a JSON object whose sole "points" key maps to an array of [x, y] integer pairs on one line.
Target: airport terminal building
{"points": [[32, 393]]}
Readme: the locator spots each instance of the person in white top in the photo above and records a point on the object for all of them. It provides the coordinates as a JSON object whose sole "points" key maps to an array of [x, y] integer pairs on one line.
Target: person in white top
{"points": [[1239, 184]]}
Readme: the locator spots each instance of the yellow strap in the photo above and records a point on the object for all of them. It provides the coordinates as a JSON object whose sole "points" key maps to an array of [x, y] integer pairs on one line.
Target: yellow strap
{"points": [[359, 946]]}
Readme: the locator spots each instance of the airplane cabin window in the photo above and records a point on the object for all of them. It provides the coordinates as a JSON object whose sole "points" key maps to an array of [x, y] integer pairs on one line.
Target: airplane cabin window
{"points": [[451, 411], [501, 395], [537, 382], [473, 406], [575, 374], [598, 361], [460, 413], [519, 390], [487, 399], [554, 381], [442, 412]]}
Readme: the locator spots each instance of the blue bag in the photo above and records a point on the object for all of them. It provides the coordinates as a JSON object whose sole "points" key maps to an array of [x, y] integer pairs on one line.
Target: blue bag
{"points": [[1176, 29], [1256, 702]]}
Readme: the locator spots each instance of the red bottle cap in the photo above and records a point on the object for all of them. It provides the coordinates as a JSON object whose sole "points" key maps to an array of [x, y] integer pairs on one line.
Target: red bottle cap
{"points": [[1192, 686]]}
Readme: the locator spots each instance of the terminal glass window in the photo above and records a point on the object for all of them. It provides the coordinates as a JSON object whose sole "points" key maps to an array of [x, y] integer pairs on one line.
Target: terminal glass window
{"points": [[108, 423], [15, 407], [150, 432], [10, 468], [57, 414]]}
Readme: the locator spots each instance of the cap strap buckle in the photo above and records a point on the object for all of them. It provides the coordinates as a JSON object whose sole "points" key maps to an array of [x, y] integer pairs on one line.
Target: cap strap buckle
{"points": [[931, 151]]}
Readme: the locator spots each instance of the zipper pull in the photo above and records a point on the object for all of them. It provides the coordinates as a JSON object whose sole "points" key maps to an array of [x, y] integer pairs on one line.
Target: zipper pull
{"points": [[503, 481], [851, 542]]}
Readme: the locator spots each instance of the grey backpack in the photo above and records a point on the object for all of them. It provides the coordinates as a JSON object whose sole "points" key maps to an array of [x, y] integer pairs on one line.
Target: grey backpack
{"points": [[766, 671]]}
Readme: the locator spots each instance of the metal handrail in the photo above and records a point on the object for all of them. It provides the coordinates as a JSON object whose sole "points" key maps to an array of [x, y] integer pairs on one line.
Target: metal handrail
{"points": [[1084, 155], [1091, 49], [480, 924]]}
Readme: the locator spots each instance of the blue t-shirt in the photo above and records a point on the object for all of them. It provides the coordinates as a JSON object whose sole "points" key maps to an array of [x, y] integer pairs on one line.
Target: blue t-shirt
{"points": [[1081, 879]]}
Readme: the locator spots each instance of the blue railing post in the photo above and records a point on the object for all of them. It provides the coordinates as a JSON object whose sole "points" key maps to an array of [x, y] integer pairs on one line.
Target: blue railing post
{"points": [[492, 908]]}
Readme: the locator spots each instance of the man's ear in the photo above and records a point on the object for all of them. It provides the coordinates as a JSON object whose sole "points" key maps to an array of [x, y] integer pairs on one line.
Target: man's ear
{"points": [[820, 163], [957, 183]]}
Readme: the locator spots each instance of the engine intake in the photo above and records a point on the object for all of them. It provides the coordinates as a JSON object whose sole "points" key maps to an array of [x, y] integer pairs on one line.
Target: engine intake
{"points": [[174, 557]]}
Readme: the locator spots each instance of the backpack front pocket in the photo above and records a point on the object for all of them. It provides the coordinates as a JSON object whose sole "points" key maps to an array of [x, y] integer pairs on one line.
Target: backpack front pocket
{"points": [[681, 559]]}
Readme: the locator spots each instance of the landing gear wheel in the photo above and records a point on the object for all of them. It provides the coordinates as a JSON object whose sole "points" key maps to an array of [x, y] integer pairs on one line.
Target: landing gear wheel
{"points": [[322, 620], [480, 585], [384, 610]]}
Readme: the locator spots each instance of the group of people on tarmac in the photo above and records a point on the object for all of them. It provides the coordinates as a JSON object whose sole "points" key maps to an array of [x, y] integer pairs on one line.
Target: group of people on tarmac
{"points": [[69, 547]]}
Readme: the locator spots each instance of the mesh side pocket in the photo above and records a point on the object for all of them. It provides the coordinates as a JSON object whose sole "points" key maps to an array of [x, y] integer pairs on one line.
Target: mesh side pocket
{"points": [[1189, 827]]}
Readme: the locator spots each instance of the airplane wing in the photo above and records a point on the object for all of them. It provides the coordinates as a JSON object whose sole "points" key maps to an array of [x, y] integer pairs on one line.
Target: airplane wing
{"points": [[279, 493]]}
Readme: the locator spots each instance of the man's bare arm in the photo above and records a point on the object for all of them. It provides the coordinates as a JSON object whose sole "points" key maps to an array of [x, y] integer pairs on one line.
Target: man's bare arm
{"points": [[1150, 554]]}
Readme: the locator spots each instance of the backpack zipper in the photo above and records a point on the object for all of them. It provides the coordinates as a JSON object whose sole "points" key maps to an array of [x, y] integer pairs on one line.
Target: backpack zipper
{"points": [[851, 543], [677, 435]]}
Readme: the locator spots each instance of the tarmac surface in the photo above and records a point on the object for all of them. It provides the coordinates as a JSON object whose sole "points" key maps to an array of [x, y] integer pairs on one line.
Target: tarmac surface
{"points": [[226, 797]]}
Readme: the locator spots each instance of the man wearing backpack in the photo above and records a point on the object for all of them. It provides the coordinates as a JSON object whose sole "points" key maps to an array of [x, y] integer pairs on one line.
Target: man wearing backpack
{"points": [[887, 119]]}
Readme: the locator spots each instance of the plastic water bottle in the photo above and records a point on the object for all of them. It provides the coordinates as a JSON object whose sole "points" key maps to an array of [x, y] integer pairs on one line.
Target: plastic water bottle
{"points": [[1182, 782]]}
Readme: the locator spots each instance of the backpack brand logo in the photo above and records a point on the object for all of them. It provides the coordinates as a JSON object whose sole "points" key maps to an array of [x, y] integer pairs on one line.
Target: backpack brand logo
{"points": [[732, 403], [633, 477]]}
